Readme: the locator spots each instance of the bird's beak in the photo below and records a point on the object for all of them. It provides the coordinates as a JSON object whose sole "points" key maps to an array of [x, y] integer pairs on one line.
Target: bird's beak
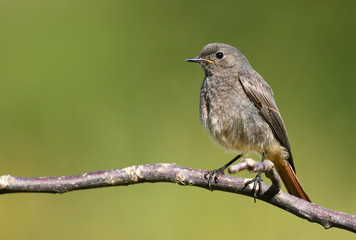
{"points": [[198, 60]]}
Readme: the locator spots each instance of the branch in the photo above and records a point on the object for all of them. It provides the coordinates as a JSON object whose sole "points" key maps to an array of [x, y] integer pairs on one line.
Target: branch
{"points": [[162, 172]]}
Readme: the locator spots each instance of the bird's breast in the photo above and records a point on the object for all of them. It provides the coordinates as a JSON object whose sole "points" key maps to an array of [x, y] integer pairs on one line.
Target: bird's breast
{"points": [[231, 118]]}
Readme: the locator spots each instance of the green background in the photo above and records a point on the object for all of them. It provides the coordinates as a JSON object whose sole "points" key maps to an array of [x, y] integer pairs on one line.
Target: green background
{"points": [[95, 85]]}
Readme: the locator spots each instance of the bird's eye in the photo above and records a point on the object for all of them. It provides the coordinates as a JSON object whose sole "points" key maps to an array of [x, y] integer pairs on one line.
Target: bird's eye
{"points": [[219, 55]]}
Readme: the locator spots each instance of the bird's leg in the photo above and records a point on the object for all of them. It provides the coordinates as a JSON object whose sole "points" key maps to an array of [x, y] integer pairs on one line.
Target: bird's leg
{"points": [[256, 181], [214, 174]]}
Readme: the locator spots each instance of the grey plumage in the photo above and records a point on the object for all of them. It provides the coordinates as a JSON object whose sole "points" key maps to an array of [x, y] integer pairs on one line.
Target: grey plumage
{"points": [[237, 105], [238, 109]]}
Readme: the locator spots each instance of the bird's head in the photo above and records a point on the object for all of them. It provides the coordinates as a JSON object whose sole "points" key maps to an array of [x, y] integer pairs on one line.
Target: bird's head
{"points": [[218, 58]]}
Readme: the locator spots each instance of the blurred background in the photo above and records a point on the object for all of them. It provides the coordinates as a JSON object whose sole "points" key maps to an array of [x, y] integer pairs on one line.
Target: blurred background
{"points": [[95, 85]]}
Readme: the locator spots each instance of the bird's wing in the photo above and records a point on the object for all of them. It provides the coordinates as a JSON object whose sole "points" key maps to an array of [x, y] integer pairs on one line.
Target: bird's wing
{"points": [[261, 94]]}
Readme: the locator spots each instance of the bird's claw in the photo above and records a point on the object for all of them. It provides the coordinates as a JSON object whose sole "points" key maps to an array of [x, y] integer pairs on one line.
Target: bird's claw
{"points": [[257, 181], [213, 175]]}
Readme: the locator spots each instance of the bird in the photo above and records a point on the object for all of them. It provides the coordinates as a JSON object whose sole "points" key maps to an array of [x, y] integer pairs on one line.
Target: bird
{"points": [[238, 109]]}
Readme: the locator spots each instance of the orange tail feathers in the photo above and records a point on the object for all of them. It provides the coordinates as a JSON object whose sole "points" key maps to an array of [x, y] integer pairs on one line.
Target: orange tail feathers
{"points": [[290, 180]]}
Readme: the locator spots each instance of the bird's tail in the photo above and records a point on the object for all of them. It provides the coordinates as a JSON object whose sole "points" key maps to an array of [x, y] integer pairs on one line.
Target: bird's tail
{"points": [[290, 180]]}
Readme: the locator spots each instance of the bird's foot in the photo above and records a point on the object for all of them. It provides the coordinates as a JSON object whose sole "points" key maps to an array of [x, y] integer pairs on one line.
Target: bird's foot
{"points": [[213, 175], [257, 181]]}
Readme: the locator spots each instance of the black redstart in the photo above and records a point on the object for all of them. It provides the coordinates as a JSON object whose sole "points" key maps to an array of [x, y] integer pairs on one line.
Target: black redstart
{"points": [[238, 109]]}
